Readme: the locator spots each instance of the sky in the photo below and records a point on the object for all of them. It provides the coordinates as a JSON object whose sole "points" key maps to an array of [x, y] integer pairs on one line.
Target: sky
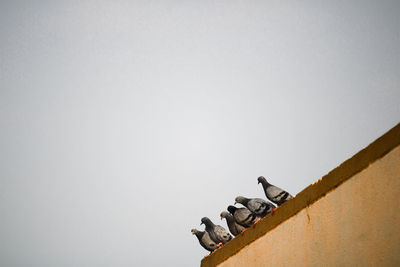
{"points": [[123, 123]]}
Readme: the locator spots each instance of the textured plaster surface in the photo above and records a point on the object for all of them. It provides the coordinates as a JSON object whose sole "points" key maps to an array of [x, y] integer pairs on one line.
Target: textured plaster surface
{"points": [[357, 224]]}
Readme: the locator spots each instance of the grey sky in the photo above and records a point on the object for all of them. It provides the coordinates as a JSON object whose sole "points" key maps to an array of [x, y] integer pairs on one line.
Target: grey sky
{"points": [[123, 123]]}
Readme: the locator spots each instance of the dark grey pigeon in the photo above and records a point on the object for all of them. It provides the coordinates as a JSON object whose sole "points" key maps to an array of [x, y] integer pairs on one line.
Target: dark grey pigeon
{"points": [[257, 206], [274, 193], [233, 226], [217, 232], [243, 216], [204, 240]]}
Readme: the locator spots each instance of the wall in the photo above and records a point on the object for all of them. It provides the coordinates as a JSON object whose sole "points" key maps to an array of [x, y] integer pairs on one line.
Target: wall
{"points": [[349, 218], [357, 224]]}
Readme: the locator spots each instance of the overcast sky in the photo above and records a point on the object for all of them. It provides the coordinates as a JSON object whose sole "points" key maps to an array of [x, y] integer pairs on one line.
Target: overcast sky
{"points": [[123, 123]]}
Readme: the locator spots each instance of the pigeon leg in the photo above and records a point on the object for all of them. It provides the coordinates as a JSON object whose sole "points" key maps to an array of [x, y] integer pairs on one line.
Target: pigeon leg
{"points": [[256, 221], [274, 210], [244, 230], [219, 244]]}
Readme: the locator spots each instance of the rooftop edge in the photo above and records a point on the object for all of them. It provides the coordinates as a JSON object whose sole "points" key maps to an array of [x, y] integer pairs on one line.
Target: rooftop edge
{"points": [[309, 195]]}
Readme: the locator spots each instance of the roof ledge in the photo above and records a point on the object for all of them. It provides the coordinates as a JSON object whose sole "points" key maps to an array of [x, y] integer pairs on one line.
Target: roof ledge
{"points": [[309, 195]]}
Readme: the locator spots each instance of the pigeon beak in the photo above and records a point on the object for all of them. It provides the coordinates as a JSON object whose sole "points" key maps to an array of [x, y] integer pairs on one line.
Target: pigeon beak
{"points": [[201, 223], [258, 182], [235, 203]]}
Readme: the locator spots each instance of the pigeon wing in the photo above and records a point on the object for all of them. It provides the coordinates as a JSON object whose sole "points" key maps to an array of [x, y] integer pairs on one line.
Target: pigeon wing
{"points": [[213, 235], [233, 226], [207, 243], [257, 206], [244, 216], [238, 229], [277, 195]]}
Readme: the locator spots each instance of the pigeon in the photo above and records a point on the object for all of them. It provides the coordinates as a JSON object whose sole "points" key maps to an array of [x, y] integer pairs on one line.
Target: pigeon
{"points": [[204, 240], [273, 193], [233, 226], [257, 206], [243, 216], [217, 233]]}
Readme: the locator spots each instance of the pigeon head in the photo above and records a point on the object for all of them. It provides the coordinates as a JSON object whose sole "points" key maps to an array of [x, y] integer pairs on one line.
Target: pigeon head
{"points": [[224, 214], [206, 221], [232, 209], [262, 180], [241, 200], [194, 231]]}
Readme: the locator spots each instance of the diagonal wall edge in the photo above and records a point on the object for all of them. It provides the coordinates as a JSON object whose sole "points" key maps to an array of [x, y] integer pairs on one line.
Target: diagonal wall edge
{"points": [[309, 195]]}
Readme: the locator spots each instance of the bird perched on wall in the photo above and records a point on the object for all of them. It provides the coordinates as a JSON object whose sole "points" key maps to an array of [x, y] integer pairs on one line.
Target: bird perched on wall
{"points": [[274, 193], [204, 240], [217, 233], [257, 206], [243, 216], [233, 226]]}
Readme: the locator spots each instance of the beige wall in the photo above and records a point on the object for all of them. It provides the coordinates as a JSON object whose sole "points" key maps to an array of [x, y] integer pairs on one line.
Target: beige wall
{"points": [[357, 224]]}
